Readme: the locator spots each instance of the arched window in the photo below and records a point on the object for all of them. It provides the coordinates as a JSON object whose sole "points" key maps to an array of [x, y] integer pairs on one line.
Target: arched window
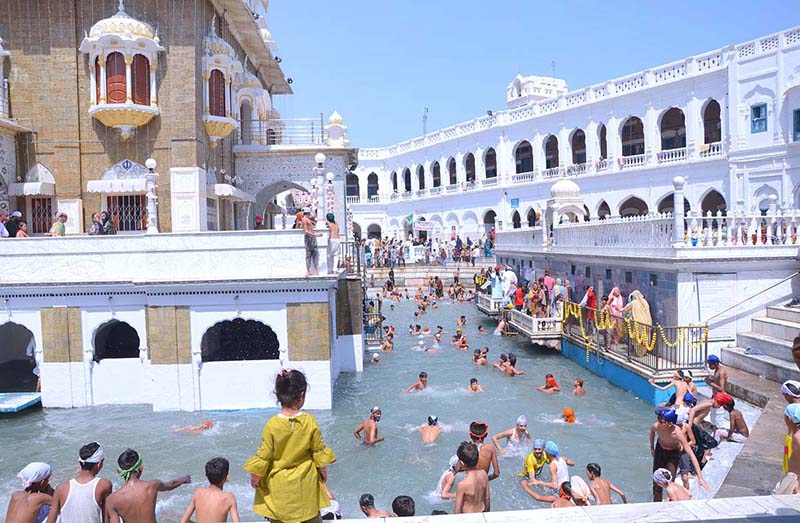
{"points": [[372, 185], [633, 207], [516, 220], [451, 170], [551, 152], [673, 130], [421, 177], [713, 202], [116, 339], [488, 220], [712, 125], [18, 346], [531, 218], [394, 181], [239, 339], [437, 174], [351, 185], [140, 78], [667, 204], [491, 163], [407, 180], [601, 134], [374, 231], [469, 163], [578, 147], [632, 137], [116, 90], [523, 157], [246, 124], [603, 211], [216, 93]]}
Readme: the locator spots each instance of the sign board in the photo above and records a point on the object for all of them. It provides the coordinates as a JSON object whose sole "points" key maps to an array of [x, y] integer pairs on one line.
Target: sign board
{"points": [[515, 203]]}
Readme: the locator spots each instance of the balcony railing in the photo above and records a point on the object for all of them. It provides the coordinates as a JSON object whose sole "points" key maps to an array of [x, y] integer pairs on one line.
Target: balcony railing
{"points": [[375, 198], [489, 181], [576, 169], [653, 230], [405, 195], [298, 132], [602, 165], [672, 155], [628, 162], [453, 187], [553, 172], [436, 190], [523, 177], [353, 199], [711, 150]]}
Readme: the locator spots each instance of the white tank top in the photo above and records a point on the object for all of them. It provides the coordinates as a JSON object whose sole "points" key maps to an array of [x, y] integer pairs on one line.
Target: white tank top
{"points": [[81, 505], [563, 471]]}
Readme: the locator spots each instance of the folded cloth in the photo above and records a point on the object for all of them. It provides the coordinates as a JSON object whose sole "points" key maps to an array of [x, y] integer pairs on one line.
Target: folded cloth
{"points": [[34, 473], [786, 485]]}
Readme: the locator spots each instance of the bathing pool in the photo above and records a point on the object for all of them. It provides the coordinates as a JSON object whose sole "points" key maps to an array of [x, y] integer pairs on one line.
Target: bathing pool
{"points": [[612, 426]]}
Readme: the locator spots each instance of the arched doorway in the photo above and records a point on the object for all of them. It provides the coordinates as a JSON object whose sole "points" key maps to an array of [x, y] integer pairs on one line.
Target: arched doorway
{"points": [[451, 171], [673, 130], [469, 164], [712, 123], [351, 186], [667, 204], [523, 157], [372, 185], [632, 136], [531, 217], [356, 231], [713, 202], [516, 220], [436, 171], [394, 181], [422, 231], [421, 177], [488, 221], [374, 231], [238, 340], [578, 144], [601, 135], [246, 122], [551, 152], [633, 206], [115, 340], [406, 180], [17, 363], [490, 160], [603, 210]]}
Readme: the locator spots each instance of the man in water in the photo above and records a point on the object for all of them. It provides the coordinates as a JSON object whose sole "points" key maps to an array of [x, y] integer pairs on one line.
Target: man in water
{"points": [[559, 473], [312, 251], [602, 488], [473, 492], [335, 246], [578, 390], [431, 431], [448, 479], [367, 505], [135, 502], [33, 502], [477, 359], [678, 382], [662, 478], [420, 384], [667, 450], [510, 370], [474, 386], [462, 320], [550, 386], [518, 437], [370, 427], [212, 503], [207, 424], [478, 430], [81, 500]]}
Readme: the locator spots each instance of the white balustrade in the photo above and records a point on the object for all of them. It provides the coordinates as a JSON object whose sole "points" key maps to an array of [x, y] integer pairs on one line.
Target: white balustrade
{"points": [[742, 229], [553, 172], [672, 155], [421, 192], [375, 198], [576, 169], [601, 165], [436, 190], [489, 304], [352, 199], [629, 162], [652, 230], [523, 177], [489, 181], [453, 187], [520, 239], [393, 196], [711, 150], [406, 195], [531, 325]]}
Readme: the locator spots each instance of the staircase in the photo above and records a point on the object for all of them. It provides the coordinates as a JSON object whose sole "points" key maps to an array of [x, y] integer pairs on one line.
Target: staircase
{"points": [[771, 340], [413, 275]]}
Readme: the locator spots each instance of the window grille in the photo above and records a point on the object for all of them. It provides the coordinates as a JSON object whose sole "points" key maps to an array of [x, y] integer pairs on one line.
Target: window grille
{"points": [[128, 211]]}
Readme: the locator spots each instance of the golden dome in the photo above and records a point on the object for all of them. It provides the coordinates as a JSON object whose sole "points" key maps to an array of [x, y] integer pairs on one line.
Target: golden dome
{"points": [[122, 24]]}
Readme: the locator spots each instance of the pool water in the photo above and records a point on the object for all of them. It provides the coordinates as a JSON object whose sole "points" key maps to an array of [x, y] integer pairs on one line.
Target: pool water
{"points": [[612, 426]]}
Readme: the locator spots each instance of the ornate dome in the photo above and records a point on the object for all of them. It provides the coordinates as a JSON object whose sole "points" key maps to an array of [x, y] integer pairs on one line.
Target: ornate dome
{"points": [[122, 24], [246, 79], [214, 45], [565, 189], [335, 118]]}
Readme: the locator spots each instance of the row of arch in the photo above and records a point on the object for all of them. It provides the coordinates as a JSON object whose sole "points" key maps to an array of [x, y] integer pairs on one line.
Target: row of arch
{"points": [[672, 129]]}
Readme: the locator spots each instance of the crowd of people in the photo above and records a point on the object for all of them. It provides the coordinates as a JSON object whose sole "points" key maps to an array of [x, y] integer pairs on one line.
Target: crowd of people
{"points": [[393, 252]]}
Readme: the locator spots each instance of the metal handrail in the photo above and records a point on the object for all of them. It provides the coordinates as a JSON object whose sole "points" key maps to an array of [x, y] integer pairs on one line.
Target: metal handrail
{"points": [[708, 320]]}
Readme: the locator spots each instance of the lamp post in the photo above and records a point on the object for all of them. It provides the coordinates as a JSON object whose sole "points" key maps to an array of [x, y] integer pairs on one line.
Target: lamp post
{"points": [[152, 199]]}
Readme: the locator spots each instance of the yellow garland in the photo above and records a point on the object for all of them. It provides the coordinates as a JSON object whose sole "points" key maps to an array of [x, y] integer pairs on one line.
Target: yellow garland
{"points": [[640, 336]]}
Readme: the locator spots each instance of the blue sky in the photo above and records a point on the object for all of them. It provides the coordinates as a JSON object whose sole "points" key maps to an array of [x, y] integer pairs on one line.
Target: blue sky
{"points": [[380, 62]]}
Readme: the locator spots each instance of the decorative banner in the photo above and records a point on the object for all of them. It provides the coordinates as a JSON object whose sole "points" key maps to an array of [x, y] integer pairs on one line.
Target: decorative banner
{"points": [[425, 226], [515, 203]]}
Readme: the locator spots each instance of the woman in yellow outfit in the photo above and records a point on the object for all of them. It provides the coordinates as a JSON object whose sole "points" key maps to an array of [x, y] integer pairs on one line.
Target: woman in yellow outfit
{"points": [[288, 470]]}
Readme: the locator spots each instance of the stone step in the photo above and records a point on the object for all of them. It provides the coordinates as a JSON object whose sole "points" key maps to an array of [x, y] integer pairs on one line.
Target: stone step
{"points": [[782, 329], [771, 346], [762, 365], [780, 312]]}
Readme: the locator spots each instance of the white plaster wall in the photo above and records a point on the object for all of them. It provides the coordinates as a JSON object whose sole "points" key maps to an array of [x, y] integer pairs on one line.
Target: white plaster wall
{"points": [[173, 387]]}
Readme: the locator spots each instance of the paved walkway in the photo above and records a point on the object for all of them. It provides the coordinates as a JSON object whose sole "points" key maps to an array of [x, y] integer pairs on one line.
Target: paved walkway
{"points": [[758, 467]]}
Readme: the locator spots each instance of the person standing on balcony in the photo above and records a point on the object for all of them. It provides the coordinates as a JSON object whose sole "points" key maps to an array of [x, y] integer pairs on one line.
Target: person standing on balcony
{"points": [[334, 245], [310, 238]]}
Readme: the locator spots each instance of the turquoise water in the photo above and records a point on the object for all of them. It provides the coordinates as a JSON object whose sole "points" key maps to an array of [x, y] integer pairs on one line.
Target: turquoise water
{"points": [[612, 426]]}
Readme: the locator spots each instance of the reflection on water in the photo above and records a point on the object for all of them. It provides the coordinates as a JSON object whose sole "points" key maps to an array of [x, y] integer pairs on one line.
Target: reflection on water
{"points": [[612, 426]]}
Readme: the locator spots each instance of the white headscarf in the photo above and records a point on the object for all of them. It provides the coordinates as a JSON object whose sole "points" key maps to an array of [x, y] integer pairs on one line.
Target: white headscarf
{"points": [[34, 473]]}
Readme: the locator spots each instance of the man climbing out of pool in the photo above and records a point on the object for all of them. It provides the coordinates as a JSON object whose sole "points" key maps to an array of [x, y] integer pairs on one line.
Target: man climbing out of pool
{"points": [[478, 430], [602, 488], [370, 427], [666, 450], [367, 505], [420, 384], [681, 388], [431, 431], [135, 502]]}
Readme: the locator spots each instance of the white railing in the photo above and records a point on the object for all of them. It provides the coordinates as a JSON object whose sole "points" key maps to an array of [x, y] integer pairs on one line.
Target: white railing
{"points": [[523, 177], [489, 181], [436, 190], [300, 131], [520, 239], [352, 199], [553, 172], [711, 150], [628, 162], [405, 195], [421, 192], [453, 187], [742, 229], [394, 196], [672, 155], [652, 230], [533, 326], [576, 169], [602, 165], [488, 304]]}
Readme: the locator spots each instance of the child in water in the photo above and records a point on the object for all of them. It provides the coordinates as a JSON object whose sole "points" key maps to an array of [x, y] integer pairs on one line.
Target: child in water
{"points": [[288, 470]]}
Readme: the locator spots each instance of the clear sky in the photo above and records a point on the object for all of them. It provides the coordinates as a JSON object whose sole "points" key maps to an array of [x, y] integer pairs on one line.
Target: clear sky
{"points": [[380, 62]]}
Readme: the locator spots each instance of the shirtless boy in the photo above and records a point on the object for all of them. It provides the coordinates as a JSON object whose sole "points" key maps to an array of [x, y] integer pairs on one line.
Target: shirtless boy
{"points": [[563, 500], [578, 390], [738, 431], [370, 427], [474, 386], [718, 381], [477, 358], [601, 488], [473, 492], [501, 365], [388, 343], [510, 370], [663, 479], [550, 385], [431, 431], [478, 430], [420, 384], [680, 387], [135, 502], [667, 450], [448, 479], [81, 500], [518, 437], [36, 498], [211, 504], [367, 504]]}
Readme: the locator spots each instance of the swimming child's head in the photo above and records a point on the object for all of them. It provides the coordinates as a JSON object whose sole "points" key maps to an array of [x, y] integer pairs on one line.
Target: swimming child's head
{"points": [[522, 422], [593, 470], [512, 359], [662, 477], [578, 382], [473, 381], [366, 501], [217, 471], [569, 415], [421, 343], [503, 357], [478, 430], [290, 388], [468, 454], [433, 420]]}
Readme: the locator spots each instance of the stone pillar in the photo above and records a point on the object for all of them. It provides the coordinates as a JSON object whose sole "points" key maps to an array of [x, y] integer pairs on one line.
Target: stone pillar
{"points": [[92, 83], [103, 90], [694, 128], [414, 177], [128, 83], [64, 380], [153, 69], [677, 212], [309, 332]]}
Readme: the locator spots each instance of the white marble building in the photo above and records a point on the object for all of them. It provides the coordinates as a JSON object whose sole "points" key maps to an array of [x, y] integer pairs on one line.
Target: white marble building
{"points": [[728, 121]]}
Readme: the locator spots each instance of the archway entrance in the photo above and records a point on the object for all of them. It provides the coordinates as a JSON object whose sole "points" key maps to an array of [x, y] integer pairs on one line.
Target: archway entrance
{"points": [[633, 206], [117, 340], [374, 231], [488, 221], [17, 362], [356, 231], [238, 340]]}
